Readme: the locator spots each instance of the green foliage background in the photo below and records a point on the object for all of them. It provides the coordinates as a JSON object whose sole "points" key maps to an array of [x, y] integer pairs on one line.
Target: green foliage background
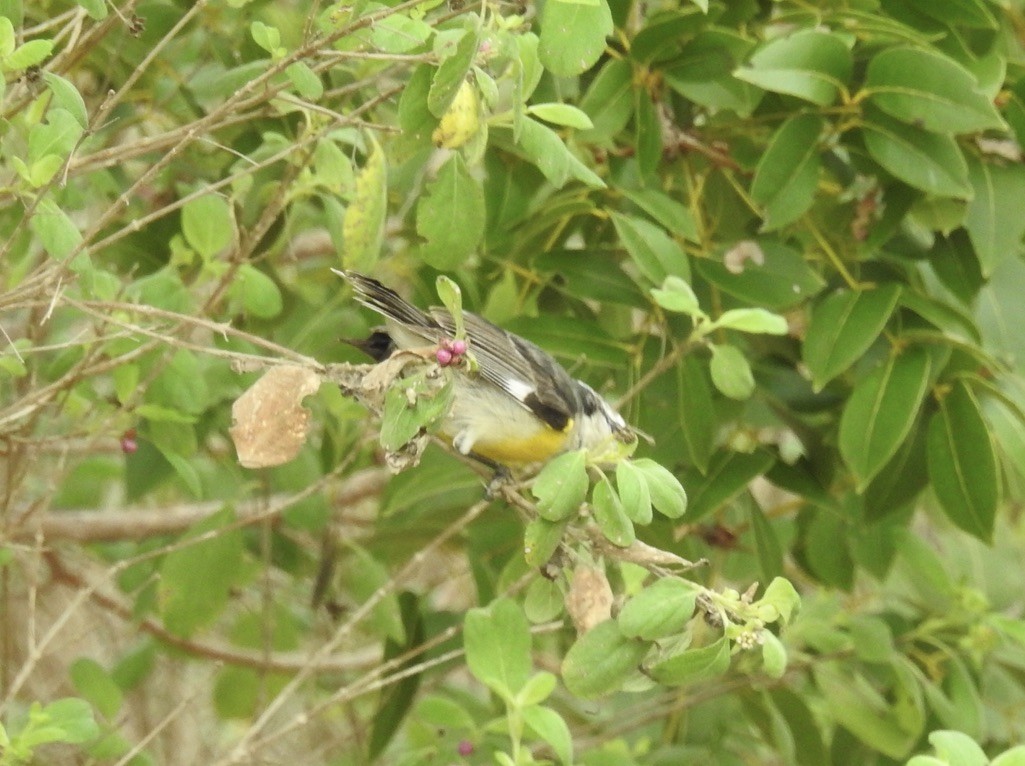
{"points": [[643, 189]]}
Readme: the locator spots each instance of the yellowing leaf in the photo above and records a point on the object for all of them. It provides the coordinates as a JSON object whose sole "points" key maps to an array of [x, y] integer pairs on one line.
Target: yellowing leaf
{"points": [[363, 225], [461, 121]]}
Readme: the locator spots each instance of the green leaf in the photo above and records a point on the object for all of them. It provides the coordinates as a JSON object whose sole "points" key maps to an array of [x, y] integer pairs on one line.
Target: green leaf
{"points": [[762, 272], [97, 9], [267, 37], [96, 685], [543, 147], [207, 224], [551, 727], [399, 33], [452, 73], [527, 73], [305, 81], [1013, 757], [42, 170], [695, 411], [955, 747], [592, 277], [610, 515], [414, 117], [731, 372], [609, 101], [411, 405], [653, 251], [827, 547], [29, 54], [880, 412], [899, 481], [157, 412], [443, 712], [787, 175], [571, 338], [962, 462], [664, 32], [667, 494], [805, 728], [993, 220], [56, 232], [774, 655], [196, 579], [727, 476], [334, 168], [674, 216], [809, 64], [67, 97], [363, 225], [659, 611], [843, 327], [58, 135], [360, 577], [573, 36], [755, 321], [69, 720], [648, 132], [953, 320], [561, 487], [561, 114], [966, 13], [928, 161], [257, 292], [676, 295], [451, 216], [451, 297], [601, 660], [544, 600], [927, 89], [541, 539], [767, 546], [703, 72], [862, 710], [632, 487], [497, 643], [693, 665], [783, 597], [7, 37]]}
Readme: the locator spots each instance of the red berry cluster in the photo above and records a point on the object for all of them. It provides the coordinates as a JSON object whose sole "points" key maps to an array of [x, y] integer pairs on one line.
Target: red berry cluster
{"points": [[128, 442], [450, 352]]}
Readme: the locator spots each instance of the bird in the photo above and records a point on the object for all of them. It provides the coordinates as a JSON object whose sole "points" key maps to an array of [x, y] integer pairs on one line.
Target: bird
{"points": [[515, 406]]}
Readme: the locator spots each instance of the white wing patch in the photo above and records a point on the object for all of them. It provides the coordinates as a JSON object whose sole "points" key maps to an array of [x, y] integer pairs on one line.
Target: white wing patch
{"points": [[518, 388]]}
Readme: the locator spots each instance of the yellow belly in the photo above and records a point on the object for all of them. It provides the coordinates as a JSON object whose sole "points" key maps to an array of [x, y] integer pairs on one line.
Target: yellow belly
{"points": [[493, 425], [541, 446]]}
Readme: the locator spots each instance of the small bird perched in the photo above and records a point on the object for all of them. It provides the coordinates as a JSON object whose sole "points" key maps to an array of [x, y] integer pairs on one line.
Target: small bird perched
{"points": [[517, 406]]}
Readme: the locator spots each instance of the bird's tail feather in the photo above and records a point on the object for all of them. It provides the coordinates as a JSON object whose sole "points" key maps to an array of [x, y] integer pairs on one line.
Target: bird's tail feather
{"points": [[386, 301]]}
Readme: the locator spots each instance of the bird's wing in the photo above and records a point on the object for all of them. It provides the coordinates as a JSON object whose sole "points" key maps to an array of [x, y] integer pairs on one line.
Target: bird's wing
{"points": [[518, 367]]}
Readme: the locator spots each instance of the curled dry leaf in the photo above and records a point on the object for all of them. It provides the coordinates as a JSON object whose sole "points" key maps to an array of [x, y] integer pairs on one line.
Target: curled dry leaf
{"points": [[742, 252], [270, 423], [589, 601]]}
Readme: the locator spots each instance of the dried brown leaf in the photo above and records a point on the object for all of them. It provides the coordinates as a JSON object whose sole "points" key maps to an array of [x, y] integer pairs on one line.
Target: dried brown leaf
{"points": [[270, 423], [589, 600]]}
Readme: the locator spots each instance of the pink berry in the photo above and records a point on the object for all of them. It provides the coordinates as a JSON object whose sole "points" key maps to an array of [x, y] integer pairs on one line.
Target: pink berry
{"points": [[459, 347], [128, 442], [465, 747], [444, 357]]}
